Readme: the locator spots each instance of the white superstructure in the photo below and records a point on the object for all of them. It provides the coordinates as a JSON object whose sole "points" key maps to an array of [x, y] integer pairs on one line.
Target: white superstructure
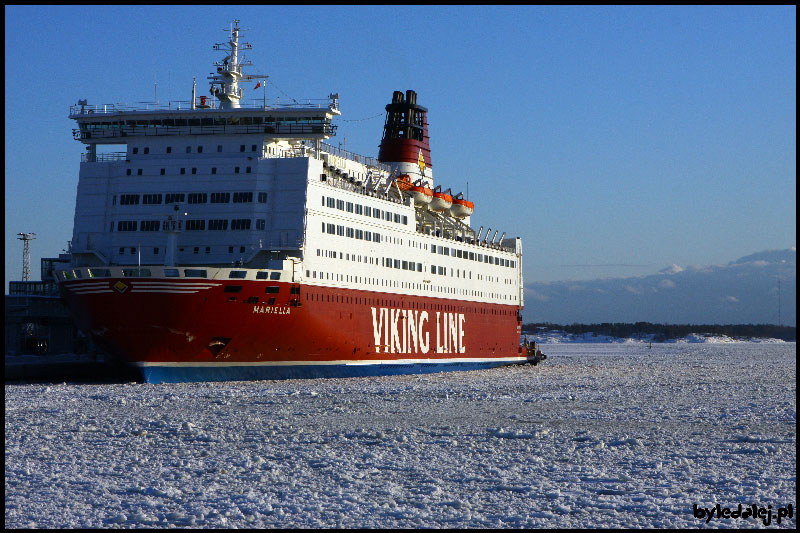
{"points": [[230, 185]]}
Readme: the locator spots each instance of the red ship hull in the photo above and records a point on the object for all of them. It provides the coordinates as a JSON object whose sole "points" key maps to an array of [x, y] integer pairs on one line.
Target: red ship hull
{"points": [[209, 330]]}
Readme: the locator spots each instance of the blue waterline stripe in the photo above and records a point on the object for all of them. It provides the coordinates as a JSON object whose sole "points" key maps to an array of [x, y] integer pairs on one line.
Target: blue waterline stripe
{"points": [[182, 374]]}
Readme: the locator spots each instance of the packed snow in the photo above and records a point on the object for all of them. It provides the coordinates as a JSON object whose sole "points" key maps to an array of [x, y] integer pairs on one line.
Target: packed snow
{"points": [[599, 435]]}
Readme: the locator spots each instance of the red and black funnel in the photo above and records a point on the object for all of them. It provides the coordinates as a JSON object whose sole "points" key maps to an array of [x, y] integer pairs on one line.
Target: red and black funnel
{"points": [[405, 136]]}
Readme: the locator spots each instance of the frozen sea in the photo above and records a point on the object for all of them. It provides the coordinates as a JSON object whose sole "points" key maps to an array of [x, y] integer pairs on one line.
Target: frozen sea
{"points": [[599, 435]]}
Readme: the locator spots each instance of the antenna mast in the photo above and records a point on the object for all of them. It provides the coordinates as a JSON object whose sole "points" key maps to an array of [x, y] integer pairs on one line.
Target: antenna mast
{"points": [[225, 83], [26, 254]]}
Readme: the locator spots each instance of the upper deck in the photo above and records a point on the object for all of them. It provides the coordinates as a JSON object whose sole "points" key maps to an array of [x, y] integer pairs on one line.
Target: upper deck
{"points": [[225, 112], [113, 123]]}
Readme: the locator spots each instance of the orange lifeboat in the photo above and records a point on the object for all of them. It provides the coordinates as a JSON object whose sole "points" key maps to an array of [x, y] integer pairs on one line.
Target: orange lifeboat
{"points": [[461, 208], [404, 182], [441, 201], [421, 194]]}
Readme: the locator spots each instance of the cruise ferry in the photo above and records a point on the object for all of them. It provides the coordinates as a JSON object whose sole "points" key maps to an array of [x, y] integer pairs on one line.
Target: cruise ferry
{"points": [[221, 238]]}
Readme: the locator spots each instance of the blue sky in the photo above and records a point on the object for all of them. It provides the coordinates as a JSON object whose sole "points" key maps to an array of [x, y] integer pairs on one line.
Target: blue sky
{"points": [[614, 140]]}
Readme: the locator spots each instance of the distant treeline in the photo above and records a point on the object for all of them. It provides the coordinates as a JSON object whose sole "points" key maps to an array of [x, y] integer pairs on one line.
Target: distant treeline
{"points": [[663, 332]]}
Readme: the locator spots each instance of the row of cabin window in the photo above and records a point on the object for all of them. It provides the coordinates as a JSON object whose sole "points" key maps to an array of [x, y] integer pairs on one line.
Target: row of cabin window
{"points": [[353, 233], [481, 258], [146, 149], [400, 264], [193, 198], [407, 285], [365, 210], [175, 273], [311, 295], [191, 225], [157, 250], [236, 170], [389, 262]]}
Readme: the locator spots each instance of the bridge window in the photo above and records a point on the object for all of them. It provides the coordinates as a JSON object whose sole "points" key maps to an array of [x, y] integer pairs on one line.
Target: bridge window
{"points": [[126, 225]]}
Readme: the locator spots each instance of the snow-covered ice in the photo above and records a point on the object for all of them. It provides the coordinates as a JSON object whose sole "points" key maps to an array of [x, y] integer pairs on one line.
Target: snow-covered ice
{"points": [[599, 435]]}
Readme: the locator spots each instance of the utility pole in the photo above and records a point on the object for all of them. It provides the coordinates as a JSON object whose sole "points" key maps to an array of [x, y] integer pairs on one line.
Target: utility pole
{"points": [[26, 254]]}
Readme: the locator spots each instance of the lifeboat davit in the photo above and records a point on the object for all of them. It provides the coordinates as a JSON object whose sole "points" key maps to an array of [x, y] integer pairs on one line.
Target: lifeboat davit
{"points": [[441, 201], [461, 208]]}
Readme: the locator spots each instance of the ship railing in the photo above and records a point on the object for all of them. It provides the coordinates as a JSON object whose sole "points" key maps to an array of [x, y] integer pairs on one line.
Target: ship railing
{"points": [[350, 184], [364, 160], [186, 105], [147, 131], [32, 288]]}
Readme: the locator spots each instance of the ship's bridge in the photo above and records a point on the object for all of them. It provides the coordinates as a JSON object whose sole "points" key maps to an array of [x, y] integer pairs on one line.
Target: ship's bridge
{"points": [[114, 123]]}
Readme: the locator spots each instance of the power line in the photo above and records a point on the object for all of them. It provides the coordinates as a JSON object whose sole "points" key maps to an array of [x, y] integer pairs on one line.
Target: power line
{"points": [[281, 91], [361, 119]]}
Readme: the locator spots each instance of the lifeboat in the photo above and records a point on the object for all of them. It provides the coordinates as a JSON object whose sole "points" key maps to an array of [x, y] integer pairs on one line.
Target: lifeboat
{"points": [[461, 208], [404, 182], [421, 194], [441, 201]]}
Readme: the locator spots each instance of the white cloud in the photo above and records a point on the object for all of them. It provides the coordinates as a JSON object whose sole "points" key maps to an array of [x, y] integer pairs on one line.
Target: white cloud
{"points": [[666, 284]]}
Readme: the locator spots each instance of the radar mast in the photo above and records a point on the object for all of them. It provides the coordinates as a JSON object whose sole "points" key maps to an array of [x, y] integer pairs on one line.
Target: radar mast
{"points": [[225, 83]]}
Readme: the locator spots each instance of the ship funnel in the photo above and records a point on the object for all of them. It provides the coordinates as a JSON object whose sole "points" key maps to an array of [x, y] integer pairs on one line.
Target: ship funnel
{"points": [[405, 146]]}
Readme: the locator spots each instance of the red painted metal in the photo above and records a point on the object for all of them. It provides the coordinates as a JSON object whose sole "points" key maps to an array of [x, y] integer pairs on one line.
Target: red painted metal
{"points": [[305, 323]]}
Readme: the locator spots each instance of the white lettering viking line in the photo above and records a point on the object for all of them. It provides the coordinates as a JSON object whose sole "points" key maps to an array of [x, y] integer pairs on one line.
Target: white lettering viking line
{"points": [[405, 331]]}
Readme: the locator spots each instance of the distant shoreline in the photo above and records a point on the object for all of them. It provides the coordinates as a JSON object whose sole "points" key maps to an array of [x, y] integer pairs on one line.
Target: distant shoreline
{"points": [[665, 333]]}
